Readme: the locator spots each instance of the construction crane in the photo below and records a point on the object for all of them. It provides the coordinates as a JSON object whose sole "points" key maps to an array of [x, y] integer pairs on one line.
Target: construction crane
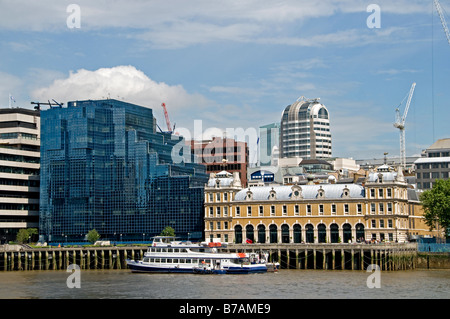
{"points": [[169, 127], [400, 124], [441, 16], [50, 104]]}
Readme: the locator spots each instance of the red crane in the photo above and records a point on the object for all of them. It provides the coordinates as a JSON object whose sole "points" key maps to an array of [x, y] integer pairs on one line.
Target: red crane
{"points": [[169, 127]]}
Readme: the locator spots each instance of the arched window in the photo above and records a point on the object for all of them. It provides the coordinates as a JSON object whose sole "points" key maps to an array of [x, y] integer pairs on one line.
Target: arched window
{"points": [[250, 233], [238, 234], [323, 114], [285, 234], [261, 234], [360, 235], [334, 233], [297, 233], [273, 234], [321, 233], [309, 233], [347, 232]]}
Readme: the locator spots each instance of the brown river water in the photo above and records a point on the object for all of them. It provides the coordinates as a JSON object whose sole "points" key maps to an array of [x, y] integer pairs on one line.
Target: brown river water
{"points": [[285, 284]]}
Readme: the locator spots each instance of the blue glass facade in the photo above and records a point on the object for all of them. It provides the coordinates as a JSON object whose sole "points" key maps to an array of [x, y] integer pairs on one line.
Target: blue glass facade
{"points": [[104, 167]]}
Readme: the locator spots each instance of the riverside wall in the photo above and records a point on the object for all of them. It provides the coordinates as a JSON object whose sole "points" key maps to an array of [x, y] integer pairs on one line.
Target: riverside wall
{"points": [[389, 257]]}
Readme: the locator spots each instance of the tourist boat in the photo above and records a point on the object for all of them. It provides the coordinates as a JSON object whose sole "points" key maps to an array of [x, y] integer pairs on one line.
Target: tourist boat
{"points": [[166, 255]]}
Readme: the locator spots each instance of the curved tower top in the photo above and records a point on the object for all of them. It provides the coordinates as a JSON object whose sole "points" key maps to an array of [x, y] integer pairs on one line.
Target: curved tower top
{"points": [[305, 130]]}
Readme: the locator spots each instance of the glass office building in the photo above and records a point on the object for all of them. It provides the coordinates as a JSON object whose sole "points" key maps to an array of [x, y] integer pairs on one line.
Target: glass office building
{"points": [[104, 167], [269, 144]]}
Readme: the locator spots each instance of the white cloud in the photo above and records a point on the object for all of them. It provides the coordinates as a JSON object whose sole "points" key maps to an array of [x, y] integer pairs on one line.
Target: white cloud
{"points": [[123, 83], [180, 23], [396, 71]]}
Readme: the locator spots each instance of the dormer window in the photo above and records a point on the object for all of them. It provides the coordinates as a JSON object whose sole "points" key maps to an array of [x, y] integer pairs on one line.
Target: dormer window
{"points": [[296, 192], [320, 193], [272, 194], [380, 178], [346, 192], [249, 195]]}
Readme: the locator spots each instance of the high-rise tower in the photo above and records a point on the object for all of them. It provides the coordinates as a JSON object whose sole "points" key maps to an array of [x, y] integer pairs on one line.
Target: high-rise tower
{"points": [[19, 171], [305, 130]]}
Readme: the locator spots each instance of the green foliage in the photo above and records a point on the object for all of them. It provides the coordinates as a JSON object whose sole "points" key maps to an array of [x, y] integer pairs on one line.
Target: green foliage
{"points": [[93, 236], [436, 205], [168, 231], [25, 234]]}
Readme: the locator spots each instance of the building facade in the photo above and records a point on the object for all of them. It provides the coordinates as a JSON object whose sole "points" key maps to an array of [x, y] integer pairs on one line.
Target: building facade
{"points": [[104, 167], [434, 164], [379, 210], [269, 144], [19, 171], [221, 154], [305, 130]]}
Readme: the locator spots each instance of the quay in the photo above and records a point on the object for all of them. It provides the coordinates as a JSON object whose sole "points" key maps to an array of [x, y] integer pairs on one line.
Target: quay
{"points": [[109, 257], [389, 257], [337, 256]]}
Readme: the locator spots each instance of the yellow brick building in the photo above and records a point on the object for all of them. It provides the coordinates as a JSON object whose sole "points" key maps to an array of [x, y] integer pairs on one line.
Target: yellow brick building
{"points": [[380, 209]]}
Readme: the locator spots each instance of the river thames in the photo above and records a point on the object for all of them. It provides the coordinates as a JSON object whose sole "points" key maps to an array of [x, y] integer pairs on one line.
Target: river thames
{"points": [[285, 284]]}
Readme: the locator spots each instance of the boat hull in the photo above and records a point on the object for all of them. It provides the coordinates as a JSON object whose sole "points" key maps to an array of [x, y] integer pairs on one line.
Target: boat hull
{"points": [[138, 267], [202, 271], [142, 268], [247, 270]]}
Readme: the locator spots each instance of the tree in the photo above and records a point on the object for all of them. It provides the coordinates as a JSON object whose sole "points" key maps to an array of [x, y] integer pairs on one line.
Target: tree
{"points": [[93, 236], [168, 231], [22, 236], [25, 234], [436, 205]]}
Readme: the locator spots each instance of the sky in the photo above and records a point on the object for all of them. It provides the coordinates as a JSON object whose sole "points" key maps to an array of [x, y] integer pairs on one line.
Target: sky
{"points": [[229, 64]]}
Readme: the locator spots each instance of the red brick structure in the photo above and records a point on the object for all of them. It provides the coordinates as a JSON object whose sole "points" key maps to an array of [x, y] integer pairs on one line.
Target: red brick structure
{"points": [[221, 154]]}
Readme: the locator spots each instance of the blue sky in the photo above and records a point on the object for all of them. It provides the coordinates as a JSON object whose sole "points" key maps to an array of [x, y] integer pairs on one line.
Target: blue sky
{"points": [[238, 64]]}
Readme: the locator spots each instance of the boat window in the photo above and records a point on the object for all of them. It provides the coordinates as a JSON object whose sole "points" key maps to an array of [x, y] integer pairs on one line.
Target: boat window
{"points": [[176, 250], [182, 261], [146, 259], [175, 261], [152, 260], [163, 260], [164, 250], [188, 261], [157, 260]]}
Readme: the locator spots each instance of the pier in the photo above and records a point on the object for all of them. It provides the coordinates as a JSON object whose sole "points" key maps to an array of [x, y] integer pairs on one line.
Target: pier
{"points": [[61, 258], [388, 257]]}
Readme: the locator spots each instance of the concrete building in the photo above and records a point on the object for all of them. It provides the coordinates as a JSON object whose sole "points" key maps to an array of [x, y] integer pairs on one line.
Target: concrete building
{"points": [[19, 171], [305, 130], [219, 154], [380, 209], [434, 164]]}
